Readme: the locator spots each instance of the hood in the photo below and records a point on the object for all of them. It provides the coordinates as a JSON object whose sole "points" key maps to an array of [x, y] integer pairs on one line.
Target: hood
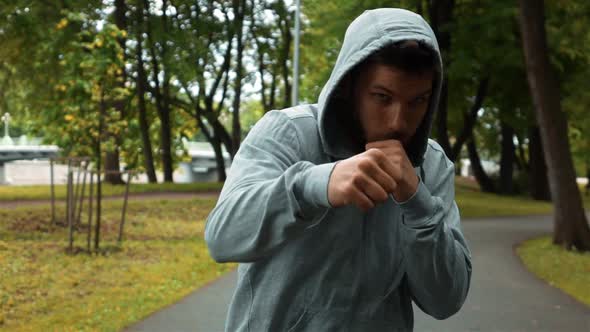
{"points": [[368, 33]]}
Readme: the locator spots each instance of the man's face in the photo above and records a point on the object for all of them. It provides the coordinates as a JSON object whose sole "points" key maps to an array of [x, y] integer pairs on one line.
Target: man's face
{"points": [[391, 103]]}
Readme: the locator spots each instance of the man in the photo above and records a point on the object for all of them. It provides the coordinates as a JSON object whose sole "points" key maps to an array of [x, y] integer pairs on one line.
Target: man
{"points": [[343, 212]]}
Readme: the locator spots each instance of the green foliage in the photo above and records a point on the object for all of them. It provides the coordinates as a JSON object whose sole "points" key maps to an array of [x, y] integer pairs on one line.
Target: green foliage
{"points": [[92, 64], [564, 269]]}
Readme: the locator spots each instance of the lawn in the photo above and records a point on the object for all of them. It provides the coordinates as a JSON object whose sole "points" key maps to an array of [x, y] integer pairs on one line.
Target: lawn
{"points": [[473, 203], [163, 258], [39, 192], [567, 270]]}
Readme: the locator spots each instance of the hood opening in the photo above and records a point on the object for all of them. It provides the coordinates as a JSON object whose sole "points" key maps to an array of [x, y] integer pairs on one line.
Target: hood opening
{"points": [[374, 30]]}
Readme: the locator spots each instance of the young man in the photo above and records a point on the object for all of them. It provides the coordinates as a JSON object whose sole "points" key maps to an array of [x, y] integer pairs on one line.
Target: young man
{"points": [[343, 212]]}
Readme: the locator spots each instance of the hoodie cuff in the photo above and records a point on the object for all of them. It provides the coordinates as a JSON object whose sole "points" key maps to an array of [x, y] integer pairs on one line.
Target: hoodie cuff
{"points": [[315, 188], [419, 208]]}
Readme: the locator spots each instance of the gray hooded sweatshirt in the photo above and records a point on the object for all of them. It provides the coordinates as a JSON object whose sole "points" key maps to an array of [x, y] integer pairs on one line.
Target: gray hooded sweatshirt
{"points": [[307, 266]]}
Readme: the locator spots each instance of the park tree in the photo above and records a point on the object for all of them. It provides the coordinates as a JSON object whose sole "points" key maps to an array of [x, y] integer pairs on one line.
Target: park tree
{"points": [[571, 227], [89, 88], [204, 51], [272, 38], [56, 77], [141, 88], [112, 157]]}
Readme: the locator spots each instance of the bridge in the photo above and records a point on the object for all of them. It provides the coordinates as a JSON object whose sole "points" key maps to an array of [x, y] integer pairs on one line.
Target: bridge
{"points": [[21, 148]]}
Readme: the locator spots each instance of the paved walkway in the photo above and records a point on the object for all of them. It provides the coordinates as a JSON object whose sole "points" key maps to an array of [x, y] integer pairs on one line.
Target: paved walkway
{"points": [[503, 296]]}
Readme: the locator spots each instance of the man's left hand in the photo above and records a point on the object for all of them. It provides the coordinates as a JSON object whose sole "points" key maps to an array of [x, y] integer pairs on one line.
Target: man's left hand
{"points": [[401, 171]]}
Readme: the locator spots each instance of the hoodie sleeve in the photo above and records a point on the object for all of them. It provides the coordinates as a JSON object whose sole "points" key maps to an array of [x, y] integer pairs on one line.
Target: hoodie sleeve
{"points": [[271, 194], [438, 261]]}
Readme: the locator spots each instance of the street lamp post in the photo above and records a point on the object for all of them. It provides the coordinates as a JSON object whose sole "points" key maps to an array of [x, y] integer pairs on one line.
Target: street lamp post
{"points": [[6, 140], [6, 119]]}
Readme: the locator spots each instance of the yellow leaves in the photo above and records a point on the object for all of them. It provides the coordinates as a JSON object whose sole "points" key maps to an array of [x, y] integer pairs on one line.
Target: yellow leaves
{"points": [[187, 133], [98, 42], [62, 24], [61, 87], [93, 133], [114, 69], [119, 33], [69, 117]]}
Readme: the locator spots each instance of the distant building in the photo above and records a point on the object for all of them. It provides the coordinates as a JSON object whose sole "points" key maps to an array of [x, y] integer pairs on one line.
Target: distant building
{"points": [[17, 153], [490, 167], [15, 169], [202, 167]]}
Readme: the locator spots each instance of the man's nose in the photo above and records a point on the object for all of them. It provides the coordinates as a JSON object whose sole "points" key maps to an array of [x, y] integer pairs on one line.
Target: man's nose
{"points": [[397, 120]]}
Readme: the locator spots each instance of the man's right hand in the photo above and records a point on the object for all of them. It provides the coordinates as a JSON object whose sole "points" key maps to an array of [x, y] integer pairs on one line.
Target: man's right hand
{"points": [[363, 180]]}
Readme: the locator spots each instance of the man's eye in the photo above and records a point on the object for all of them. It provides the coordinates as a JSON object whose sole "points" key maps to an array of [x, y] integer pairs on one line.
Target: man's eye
{"points": [[420, 100], [381, 97]]}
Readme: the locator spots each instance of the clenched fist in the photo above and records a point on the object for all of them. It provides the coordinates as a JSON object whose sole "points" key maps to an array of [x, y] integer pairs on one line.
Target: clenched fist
{"points": [[369, 177]]}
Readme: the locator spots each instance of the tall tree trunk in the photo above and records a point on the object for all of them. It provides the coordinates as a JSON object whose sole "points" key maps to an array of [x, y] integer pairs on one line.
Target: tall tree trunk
{"points": [[219, 159], [570, 225], [441, 15], [285, 56], [166, 137], [485, 183], [148, 157], [111, 160], [442, 135], [162, 103], [239, 8], [539, 183], [213, 139], [507, 159], [165, 124], [469, 119], [521, 160]]}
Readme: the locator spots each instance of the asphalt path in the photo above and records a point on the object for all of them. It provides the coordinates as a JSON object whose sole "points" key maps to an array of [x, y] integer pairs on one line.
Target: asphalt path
{"points": [[504, 296]]}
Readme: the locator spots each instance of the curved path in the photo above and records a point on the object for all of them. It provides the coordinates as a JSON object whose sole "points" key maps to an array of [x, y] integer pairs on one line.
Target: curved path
{"points": [[504, 296]]}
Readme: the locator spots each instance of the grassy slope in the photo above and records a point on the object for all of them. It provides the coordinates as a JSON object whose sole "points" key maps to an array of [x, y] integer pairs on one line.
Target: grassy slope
{"points": [[38, 192], [566, 270], [163, 258], [473, 203]]}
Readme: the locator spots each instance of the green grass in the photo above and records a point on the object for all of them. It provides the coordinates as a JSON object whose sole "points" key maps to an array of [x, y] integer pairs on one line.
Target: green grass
{"points": [[566, 270], [39, 192], [473, 203], [163, 258]]}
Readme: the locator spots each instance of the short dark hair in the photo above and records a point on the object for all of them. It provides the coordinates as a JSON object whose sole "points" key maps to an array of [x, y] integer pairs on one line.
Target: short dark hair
{"points": [[411, 56]]}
